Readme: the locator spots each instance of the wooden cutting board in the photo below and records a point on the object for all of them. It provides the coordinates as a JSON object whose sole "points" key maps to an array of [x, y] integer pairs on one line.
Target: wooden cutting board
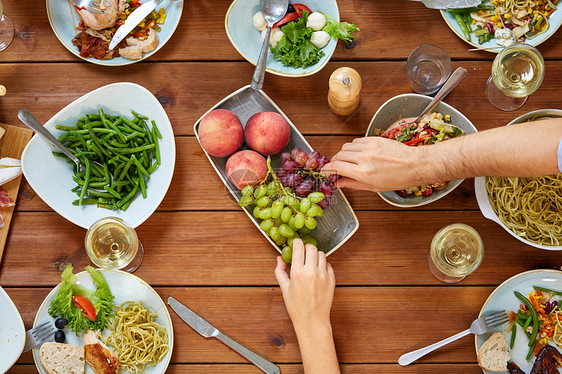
{"points": [[12, 145]]}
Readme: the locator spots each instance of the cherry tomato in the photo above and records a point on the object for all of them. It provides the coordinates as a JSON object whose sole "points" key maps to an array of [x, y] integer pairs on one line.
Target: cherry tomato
{"points": [[288, 18], [85, 306], [299, 8]]}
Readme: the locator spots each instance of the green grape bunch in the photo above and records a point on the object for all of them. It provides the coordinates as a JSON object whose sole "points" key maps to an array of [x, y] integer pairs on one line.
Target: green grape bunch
{"points": [[284, 215]]}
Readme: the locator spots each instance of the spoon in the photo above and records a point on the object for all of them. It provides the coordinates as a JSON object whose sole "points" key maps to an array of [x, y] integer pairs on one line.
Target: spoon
{"points": [[451, 83], [35, 125], [273, 11]]}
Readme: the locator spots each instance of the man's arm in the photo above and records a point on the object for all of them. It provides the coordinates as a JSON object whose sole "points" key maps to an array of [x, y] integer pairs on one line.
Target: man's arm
{"points": [[379, 164]]}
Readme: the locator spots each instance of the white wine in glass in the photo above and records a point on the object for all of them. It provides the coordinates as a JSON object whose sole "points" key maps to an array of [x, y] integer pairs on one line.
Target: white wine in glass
{"points": [[112, 244], [517, 72], [456, 251], [6, 30]]}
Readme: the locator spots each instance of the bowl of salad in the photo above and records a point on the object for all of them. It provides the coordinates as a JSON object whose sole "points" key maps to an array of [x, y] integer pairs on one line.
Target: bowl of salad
{"points": [[301, 43], [443, 123]]}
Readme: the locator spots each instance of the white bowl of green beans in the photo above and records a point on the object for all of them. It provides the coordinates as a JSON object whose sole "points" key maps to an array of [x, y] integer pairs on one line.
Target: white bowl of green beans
{"points": [[124, 139]]}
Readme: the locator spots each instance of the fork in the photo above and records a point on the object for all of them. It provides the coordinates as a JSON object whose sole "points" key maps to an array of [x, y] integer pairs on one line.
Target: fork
{"points": [[481, 325], [447, 4], [38, 335], [93, 6]]}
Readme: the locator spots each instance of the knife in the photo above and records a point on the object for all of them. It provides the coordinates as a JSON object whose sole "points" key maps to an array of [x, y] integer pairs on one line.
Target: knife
{"points": [[450, 4], [132, 21], [206, 330]]}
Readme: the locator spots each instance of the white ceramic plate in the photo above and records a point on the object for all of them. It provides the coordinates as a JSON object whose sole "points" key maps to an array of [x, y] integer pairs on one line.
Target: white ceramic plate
{"points": [[12, 332], [124, 287], [411, 105], [503, 299], [555, 20], [64, 20], [51, 177], [481, 191], [247, 40]]}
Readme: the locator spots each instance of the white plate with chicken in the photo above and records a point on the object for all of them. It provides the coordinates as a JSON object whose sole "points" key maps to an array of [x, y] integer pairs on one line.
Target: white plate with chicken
{"points": [[87, 35], [124, 287]]}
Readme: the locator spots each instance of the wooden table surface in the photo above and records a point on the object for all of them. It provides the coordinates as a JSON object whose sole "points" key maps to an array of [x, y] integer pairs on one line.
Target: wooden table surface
{"points": [[199, 245]]}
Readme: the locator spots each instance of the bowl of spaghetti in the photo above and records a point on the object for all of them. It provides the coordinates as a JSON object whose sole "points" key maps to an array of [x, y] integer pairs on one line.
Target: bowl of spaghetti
{"points": [[528, 208]]}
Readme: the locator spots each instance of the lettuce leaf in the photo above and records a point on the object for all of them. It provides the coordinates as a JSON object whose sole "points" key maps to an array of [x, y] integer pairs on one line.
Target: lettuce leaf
{"points": [[295, 48], [339, 30], [101, 298]]}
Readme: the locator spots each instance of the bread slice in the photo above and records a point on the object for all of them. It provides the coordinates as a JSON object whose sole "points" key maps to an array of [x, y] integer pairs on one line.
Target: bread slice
{"points": [[59, 358], [494, 354]]}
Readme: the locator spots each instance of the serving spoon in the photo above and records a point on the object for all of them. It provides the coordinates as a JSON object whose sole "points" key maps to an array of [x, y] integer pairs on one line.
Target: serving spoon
{"points": [[273, 11], [449, 85], [35, 125]]}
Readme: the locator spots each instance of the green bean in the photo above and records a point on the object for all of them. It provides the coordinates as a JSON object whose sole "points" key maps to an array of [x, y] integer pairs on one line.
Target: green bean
{"points": [[527, 322], [119, 154], [531, 308], [543, 289], [156, 130], [513, 334], [531, 350]]}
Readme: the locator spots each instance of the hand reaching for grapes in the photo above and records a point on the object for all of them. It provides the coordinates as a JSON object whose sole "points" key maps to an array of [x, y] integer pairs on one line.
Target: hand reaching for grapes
{"points": [[308, 293], [376, 164]]}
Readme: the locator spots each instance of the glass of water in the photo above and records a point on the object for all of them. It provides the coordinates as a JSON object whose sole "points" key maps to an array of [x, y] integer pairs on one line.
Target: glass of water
{"points": [[6, 30], [428, 68]]}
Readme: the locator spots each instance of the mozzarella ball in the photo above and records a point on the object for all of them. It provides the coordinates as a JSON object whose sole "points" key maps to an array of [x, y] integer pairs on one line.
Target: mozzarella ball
{"points": [[316, 20], [259, 22], [320, 39], [276, 35]]}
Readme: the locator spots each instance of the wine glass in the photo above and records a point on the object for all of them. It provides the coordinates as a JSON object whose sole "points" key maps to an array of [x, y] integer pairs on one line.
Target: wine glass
{"points": [[112, 244], [517, 72], [456, 251], [6, 30]]}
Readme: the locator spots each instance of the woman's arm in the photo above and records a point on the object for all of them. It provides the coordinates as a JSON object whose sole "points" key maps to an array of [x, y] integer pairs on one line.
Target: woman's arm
{"points": [[379, 164], [308, 293]]}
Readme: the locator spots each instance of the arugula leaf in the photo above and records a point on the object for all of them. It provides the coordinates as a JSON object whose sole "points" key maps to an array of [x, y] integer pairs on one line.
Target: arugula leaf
{"points": [[295, 48], [101, 298], [339, 30]]}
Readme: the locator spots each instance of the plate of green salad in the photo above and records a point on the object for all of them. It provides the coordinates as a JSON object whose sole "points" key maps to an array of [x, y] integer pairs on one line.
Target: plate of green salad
{"points": [[493, 26], [301, 43]]}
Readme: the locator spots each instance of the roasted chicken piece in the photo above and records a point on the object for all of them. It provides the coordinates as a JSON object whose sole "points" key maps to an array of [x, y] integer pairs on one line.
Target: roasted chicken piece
{"points": [[548, 361], [107, 19], [514, 369], [100, 358]]}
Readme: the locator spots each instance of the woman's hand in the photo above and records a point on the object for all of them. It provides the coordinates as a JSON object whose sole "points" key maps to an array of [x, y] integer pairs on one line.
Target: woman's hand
{"points": [[308, 293], [376, 164]]}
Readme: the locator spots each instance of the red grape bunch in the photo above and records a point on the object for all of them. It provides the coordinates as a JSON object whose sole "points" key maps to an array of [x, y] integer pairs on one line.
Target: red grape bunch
{"points": [[301, 172]]}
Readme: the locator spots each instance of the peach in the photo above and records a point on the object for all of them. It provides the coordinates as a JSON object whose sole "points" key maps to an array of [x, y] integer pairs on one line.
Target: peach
{"points": [[267, 133], [221, 133], [246, 167]]}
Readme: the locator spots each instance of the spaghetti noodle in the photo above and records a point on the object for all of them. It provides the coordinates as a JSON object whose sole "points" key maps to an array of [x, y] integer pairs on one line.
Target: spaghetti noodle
{"points": [[136, 338], [531, 207]]}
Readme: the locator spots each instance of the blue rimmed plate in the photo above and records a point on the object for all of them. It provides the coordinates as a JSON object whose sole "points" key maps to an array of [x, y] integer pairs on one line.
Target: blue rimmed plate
{"points": [[124, 287], [12, 332], [555, 20], [64, 20], [247, 40], [502, 298], [51, 177]]}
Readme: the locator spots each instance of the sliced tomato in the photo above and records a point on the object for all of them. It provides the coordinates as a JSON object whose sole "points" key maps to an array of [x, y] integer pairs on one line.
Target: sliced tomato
{"points": [[299, 8], [85, 306], [288, 18]]}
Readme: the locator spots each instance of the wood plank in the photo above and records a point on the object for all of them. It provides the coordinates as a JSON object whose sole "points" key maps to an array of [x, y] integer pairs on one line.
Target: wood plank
{"points": [[225, 248], [13, 142], [364, 320], [178, 86], [196, 185], [204, 38], [293, 369]]}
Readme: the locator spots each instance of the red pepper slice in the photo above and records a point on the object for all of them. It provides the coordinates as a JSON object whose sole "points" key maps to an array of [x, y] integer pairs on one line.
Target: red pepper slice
{"points": [[417, 140], [299, 8], [288, 18], [85, 306]]}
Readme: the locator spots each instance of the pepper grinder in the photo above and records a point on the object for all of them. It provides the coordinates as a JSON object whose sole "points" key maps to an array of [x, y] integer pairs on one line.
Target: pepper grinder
{"points": [[343, 96]]}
